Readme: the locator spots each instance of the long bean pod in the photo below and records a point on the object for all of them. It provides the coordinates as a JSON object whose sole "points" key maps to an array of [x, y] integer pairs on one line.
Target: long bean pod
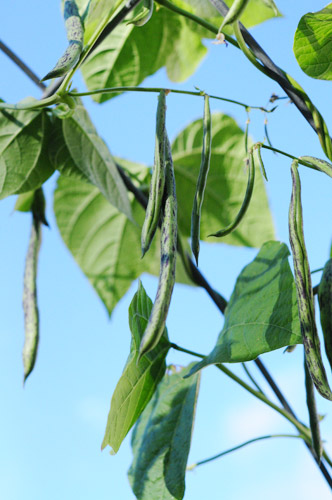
{"points": [[246, 200], [75, 35], [157, 320], [30, 307], [156, 193], [313, 415], [325, 306], [202, 178], [304, 291]]}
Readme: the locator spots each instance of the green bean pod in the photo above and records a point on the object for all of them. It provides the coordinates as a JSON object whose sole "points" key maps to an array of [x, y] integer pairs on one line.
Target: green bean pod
{"points": [[246, 200], [304, 291], [313, 415], [202, 178], [318, 164], [75, 35], [258, 148], [31, 316], [156, 193], [234, 12], [157, 320], [325, 306]]}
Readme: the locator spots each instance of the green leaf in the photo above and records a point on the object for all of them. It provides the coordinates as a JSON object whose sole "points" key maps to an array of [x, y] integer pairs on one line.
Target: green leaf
{"points": [[161, 439], [123, 58], [262, 314], [24, 165], [313, 43], [24, 201], [60, 156], [138, 382], [100, 12], [256, 12], [105, 244], [226, 184], [93, 159]]}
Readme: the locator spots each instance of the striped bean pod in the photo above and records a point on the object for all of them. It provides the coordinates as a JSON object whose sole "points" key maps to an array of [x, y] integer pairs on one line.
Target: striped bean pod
{"points": [[325, 306], [31, 316], [234, 12], [313, 415], [156, 193], [202, 178], [157, 320], [304, 289], [75, 35], [246, 201], [317, 164]]}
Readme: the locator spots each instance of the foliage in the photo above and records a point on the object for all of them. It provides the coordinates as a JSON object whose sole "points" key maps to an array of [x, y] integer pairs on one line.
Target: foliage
{"points": [[100, 202]]}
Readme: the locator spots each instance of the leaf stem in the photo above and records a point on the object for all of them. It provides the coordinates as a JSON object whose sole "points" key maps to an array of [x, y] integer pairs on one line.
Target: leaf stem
{"points": [[219, 455]]}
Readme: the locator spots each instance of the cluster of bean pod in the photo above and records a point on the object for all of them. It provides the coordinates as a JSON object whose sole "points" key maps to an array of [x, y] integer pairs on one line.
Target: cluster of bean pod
{"points": [[162, 206]]}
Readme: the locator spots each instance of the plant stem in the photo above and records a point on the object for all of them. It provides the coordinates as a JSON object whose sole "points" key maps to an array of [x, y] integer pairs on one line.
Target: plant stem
{"points": [[215, 457], [251, 377], [159, 89], [29, 73]]}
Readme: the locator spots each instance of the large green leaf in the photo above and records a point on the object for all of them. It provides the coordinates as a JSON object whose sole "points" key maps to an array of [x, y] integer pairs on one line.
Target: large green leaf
{"points": [[256, 12], [313, 43], [92, 157], [161, 439], [105, 244], [262, 314], [226, 184], [24, 165], [130, 54], [138, 382]]}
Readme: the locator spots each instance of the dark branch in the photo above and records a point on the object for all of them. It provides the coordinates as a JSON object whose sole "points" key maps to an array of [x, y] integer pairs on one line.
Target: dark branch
{"points": [[273, 70], [22, 65]]}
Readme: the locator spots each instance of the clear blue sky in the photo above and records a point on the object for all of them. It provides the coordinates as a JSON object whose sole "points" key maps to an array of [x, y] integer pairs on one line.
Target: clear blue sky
{"points": [[51, 431]]}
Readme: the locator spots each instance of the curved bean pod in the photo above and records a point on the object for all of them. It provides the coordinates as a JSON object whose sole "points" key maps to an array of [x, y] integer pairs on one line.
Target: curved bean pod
{"points": [[75, 35], [325, 306], [156, 324], [202, 178], [305, 296], [31, 316], [156, 193], [246, 201]]}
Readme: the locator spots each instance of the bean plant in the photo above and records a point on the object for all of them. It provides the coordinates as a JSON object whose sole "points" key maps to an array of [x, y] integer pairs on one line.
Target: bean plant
{"points": [[121, 219]]}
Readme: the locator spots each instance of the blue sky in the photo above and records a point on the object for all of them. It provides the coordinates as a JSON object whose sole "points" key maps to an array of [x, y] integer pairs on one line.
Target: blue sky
{"points": [[51, 430]]}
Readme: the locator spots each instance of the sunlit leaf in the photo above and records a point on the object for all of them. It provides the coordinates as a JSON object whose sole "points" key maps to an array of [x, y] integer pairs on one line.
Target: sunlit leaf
{"points": [[262, 314], [313, 43]]}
